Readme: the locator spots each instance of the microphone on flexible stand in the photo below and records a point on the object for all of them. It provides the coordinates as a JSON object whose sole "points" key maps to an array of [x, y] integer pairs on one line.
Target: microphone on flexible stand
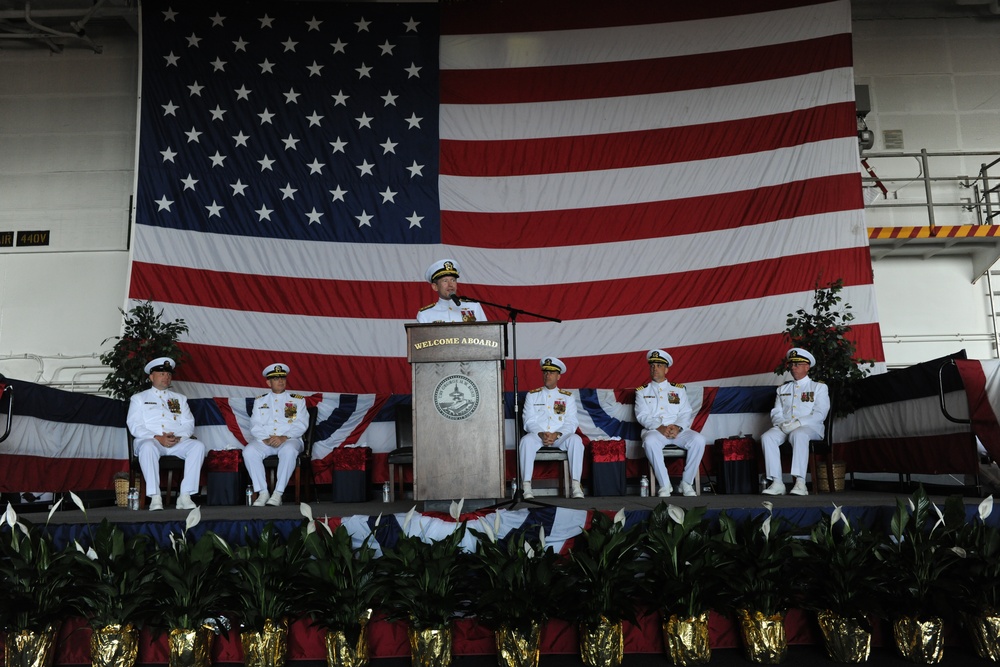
{"points": [[458, 302]]}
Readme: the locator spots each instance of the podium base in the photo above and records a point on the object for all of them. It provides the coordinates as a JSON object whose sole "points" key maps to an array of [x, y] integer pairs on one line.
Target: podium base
{"points": [[470, 505]]}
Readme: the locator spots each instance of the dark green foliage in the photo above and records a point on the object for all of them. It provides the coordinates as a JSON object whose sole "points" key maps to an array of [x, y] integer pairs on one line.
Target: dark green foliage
{"points": [[266, 585], [824, 332], [122, 589], [145, 338]]}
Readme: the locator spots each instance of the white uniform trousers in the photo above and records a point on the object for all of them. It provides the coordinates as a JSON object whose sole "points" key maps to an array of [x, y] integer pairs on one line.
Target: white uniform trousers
{"points": [[149, 452], [771, 442], [693, 442], [570, 443], [288, 454]]}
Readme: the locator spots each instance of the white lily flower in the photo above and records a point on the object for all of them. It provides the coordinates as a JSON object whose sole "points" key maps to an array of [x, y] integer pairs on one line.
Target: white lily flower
{"points": [[311, 527], [455, 510], [986, 507], [541, 537], [409, 517], [53, 510], [306, 511], [620, 517], [22, 528], [378, 519], [497, 524], [91, 554], [325, 525], [958, 551], [193, 518], [487, 529], [676, 513], [838, 514], [766, 528], [76, 501], [913, 508], [529, 552], [9, 516], [79, 547]]}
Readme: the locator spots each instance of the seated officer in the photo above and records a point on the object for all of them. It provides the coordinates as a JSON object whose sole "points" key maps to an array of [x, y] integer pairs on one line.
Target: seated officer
{"points": [[443, 277], [162, 424], [550, 421], [663, 410], [800, 408], [278, 422]]}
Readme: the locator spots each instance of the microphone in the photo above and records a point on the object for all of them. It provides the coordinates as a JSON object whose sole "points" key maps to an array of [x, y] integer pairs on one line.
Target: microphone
{"points": [[458, 302]]}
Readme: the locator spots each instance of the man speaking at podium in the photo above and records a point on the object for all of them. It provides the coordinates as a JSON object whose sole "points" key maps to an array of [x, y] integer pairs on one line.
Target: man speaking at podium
{"points": [[443, 277]]}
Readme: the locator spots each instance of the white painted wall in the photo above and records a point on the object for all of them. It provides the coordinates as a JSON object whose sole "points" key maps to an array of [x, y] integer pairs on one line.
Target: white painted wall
{"points": [[67, 147]]}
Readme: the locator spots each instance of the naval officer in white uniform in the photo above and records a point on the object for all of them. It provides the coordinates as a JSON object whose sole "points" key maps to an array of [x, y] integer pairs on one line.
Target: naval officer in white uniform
{"points": [[278, 422], [162, 424], [443, 277]]}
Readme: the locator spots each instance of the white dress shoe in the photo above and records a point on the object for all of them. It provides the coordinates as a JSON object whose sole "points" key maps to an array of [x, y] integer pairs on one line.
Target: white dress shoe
{"points": [[155, 503], [526, 491], [262, 499], [687, 490], [577, 490], [664, 491], [799, 488], [184, 502], [777, 488], [274, 500]]}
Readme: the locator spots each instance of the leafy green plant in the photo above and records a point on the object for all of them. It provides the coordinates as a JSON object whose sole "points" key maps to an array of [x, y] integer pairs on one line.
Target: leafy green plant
{"points": [[759, 572], [825, 333], [424, 581], [977, 546], [840, 571], [338, 580], [919, 559], [265, 586], [518, 580], [685, 564], [603, 569], [42, 585], [121, 591], [146, 336], [193, 579]]}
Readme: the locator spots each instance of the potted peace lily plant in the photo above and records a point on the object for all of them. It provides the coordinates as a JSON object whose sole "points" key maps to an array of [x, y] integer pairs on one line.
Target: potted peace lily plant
{"points": [[117, 599], [192, 592], [844, 582], [921, 584], [519, 587], [339, 582], [683, 578], [267, 594], [425, 582], [603, 569], [42, 587], [759, 580]]}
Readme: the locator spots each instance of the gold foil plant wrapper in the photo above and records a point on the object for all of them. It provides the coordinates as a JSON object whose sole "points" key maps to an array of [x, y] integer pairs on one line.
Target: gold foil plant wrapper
{"points": [[687, 639], [763, 636]]}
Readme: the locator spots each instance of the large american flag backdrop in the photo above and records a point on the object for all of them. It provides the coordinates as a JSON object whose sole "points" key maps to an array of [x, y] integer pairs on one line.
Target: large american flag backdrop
{"points": [[654, 174]]}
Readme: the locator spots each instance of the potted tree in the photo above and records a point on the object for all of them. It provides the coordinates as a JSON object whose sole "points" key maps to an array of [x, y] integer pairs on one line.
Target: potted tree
{"points": [[603, 569], [921, 586], [519, 587], [191, 592], [117, 599], [425, 582], [267, 594], [339, 587], [843, 581], [42, 587], [683, 579], [145, 336], [759, 581]]}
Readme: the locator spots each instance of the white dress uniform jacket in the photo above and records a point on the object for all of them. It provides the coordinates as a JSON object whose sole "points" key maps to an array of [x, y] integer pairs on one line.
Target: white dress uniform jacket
{"points": [[445, 310]]}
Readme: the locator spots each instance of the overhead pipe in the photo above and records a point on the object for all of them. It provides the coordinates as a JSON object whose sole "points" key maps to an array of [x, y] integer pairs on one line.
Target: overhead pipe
{"points": [[81, 35]]}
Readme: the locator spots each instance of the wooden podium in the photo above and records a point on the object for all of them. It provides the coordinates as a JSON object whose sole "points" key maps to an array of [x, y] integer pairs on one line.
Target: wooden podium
{"points": [[458, 420]]}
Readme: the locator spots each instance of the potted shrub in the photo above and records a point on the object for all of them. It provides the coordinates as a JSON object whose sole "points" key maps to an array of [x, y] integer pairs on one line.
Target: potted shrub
{"points": [[759, 581], [339, 591], [425, 582], [145, 336], [602, 569], [267, 594], [683, 579], [42, 586], [518, 588], [116, 601], [977, 545], [843, 581], [191, 592], [921, 583]]}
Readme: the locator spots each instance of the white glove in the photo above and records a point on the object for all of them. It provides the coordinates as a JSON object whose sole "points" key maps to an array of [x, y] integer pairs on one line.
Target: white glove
{"points": [[789, 426]]}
